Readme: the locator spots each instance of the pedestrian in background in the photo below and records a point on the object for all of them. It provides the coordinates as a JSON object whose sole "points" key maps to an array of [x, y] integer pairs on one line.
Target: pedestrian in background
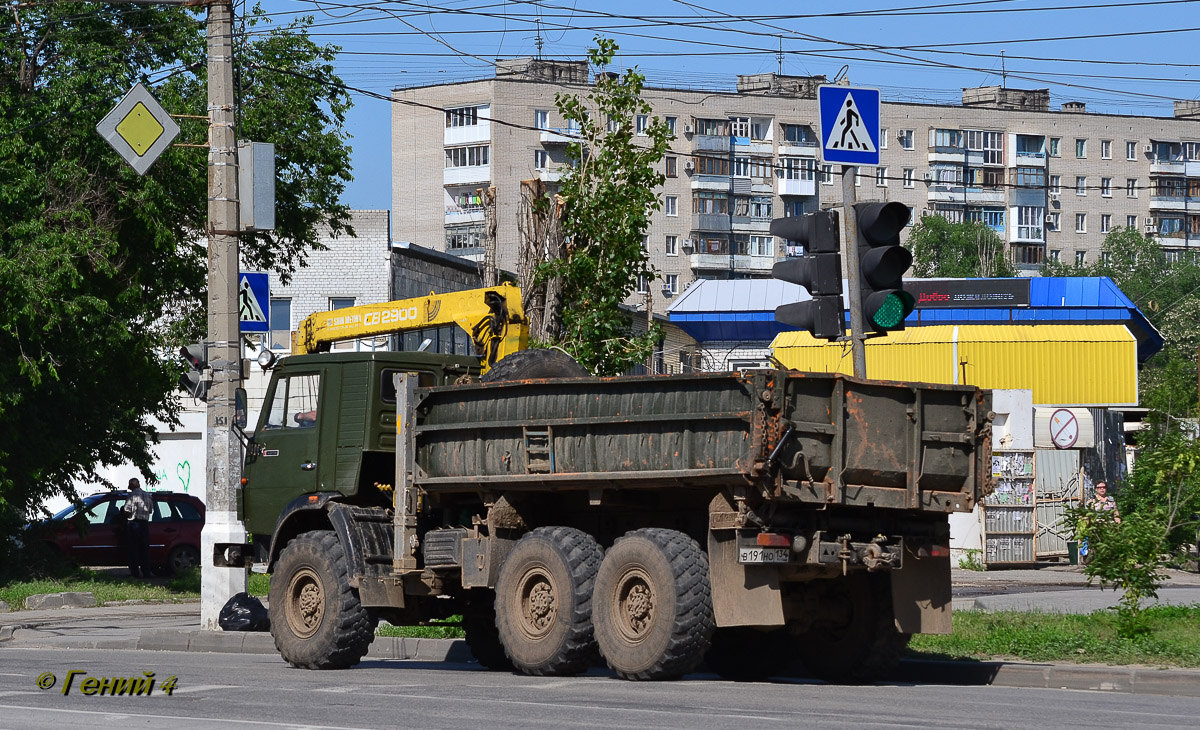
{"points": [[1105, 503], [138, 509]]}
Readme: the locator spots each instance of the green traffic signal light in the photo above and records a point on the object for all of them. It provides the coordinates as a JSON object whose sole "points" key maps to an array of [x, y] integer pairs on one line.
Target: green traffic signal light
{"points": [[887, 310]]}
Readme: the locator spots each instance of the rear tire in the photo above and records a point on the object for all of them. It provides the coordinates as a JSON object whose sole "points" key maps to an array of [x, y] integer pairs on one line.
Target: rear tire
{"points": [[653, 605], [317, 619], [862, 644], [181, 558], [531, 364], [544, 601]]}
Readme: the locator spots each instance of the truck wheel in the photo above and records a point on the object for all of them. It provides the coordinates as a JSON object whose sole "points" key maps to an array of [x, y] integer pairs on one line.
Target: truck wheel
{"points": [[860, 642], [316, 617], [653, 605], [479, 625], [530, 364], [544, 601], [746, 654]]}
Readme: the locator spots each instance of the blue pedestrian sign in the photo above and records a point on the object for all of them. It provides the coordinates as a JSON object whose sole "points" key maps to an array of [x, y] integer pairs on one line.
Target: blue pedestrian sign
{"points": [[254, 302], [849, 125]]}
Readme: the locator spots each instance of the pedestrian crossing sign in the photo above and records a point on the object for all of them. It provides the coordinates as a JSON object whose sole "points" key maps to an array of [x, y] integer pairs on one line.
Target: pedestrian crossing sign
{"points": [[849, 124], [254, 302]]}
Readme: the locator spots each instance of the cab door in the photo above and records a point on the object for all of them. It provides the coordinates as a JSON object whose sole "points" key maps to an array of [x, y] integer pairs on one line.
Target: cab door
{"points": [[285, 461]]}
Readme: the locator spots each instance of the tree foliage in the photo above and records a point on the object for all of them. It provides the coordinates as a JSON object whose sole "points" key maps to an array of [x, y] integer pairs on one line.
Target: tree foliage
{"points": [[102, 270], [957, 250], [606, 198]]}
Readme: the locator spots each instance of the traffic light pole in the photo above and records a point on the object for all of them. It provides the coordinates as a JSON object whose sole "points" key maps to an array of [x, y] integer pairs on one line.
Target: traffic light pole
{"points": [[223, 475], [852, 271]]}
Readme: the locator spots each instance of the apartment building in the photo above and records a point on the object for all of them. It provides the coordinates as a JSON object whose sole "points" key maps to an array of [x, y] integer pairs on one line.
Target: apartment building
{"points": [[1051, 183]]}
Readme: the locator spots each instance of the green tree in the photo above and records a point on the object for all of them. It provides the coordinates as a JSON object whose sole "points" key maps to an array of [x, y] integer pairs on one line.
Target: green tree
{"points": [[606, 198], [101, 270], [968, 249]]}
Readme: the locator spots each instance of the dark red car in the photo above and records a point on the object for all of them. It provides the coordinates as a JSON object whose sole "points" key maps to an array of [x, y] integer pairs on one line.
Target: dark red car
{"points": [[94, 535]]}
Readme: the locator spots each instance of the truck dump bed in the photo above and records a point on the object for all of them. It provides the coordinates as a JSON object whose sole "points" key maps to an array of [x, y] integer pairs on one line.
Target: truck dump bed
{"points": [[805, 437]]}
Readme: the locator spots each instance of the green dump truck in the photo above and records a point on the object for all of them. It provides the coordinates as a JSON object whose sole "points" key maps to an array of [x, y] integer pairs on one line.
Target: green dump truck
{"points": [[754, 519]]}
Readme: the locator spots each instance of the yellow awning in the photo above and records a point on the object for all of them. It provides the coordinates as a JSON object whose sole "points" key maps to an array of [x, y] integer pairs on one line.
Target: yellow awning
{"points": [[1063, 364]]}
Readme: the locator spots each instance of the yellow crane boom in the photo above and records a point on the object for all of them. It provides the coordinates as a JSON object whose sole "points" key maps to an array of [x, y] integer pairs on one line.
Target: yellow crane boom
{"points": [[493, 317]]}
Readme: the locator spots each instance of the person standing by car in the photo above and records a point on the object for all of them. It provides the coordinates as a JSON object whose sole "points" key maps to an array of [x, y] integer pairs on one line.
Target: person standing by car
{"points": [[138, 509]]}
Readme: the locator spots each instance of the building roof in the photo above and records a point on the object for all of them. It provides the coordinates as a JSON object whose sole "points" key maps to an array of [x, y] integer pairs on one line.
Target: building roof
{"points": [[744, 310]]}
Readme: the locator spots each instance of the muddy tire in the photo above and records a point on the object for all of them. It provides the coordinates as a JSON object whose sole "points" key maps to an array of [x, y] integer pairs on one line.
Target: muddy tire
{"points": [[653, 605], [746, 654], [863, 644], [482, 636], [544, 601], [317, 619], [531, 364]]}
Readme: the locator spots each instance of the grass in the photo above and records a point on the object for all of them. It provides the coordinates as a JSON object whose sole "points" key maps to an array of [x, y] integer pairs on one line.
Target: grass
{"points": [[184, 586], [1173, 638], [449, 628]]}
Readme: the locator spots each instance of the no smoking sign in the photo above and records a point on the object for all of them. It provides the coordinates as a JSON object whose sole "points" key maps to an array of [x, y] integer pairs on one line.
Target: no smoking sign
{"points": [[1064, 429]]}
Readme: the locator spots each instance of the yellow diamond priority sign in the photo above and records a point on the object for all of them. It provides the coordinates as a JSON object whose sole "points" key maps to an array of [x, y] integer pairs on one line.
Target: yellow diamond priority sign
{"points": [[138, 128]]}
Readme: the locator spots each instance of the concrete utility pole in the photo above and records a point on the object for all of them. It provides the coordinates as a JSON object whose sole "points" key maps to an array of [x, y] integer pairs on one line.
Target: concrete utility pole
{"points": [[649, 326], [858, 350], [223, 475]]}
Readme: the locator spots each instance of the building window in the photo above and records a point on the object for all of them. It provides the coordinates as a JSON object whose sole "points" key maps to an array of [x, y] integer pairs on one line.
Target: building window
{"points": [[1056, 255], [993, 148], [712, 127], [672, 167], [1030, 219], [906, 139], [464, 237], [1131, 222], [710, 203], [672, 124], [858, 177], [762, 246], [672, 247], [1055, 145], [751, 167], [1081, 148], [799, 134], [671, 283], [643, 284], [1105, 223], [1054, 222], [671, 205], [883, 138], [1131, 150], [952, 138], [1106, 149], [643, 121], [1081, 186], [1080, 258], [739, 127], [475, 156], [826, 174], [907, 174], [467, 116], [708, 165], [541, 118], [1131, 187], [1106, 187], [1056, 184], [1081, 222], [1031, 177], [281, 324], [991, 218], [881, 177], [541, 159]]}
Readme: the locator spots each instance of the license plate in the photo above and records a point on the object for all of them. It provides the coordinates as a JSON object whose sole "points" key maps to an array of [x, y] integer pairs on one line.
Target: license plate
{"points": [[758, 555]]}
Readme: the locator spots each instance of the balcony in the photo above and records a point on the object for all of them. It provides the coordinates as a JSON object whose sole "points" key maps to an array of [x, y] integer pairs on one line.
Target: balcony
{"points": [[746, 144], [710, 182], [550, 176], [710, 221], [955, 193], [1026, 256], [1026, 158], [1165, 166], [1029, 234], [747, 224], [473, 133], [738, 263], [799, 149], [463, 215], [466, 175], [796, 187], [559, 135], [710, 143], [1175, 202]]}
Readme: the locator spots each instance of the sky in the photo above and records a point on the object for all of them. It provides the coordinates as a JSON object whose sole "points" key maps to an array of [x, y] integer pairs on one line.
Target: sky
{"points": [[1127, 57]]}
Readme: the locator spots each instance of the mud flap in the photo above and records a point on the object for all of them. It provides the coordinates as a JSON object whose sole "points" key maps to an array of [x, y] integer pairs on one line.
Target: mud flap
{"points": [[742, 595], [921, 595]]}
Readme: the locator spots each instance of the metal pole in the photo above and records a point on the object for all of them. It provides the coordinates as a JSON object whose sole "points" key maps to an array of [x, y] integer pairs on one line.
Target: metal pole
{"points": [[649, 327], [853, 273], [223, 475]]}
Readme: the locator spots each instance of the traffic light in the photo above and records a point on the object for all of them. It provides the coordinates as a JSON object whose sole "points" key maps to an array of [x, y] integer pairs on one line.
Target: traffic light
{"points": [[819, 271], [192, 381], [882, 262]]}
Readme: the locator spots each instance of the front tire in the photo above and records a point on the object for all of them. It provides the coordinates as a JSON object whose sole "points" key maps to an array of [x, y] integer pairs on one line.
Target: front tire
{"points": [[653, 605], [182, 558], [544, 601], [317, 619]]}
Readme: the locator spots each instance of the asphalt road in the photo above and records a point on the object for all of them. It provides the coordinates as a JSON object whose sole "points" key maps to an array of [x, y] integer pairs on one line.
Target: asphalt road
{"points": [[257, 691]]}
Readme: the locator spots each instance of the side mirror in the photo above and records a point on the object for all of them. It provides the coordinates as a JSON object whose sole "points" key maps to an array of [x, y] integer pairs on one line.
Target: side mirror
{"points": [[239, 408]]}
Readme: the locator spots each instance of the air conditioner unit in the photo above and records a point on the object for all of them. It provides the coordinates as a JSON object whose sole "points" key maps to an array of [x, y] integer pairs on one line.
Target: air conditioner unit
{"points": [[927, 176], [689, 243], [1049, 220], [666, 290], [1150, 229], [1054, 196], [689, 166], [688, 129], [1148, 148], [1148, 222]]}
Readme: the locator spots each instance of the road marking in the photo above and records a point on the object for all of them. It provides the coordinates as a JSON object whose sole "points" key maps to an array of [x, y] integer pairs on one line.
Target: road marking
{"points": [[177, 719], [203, 688]]}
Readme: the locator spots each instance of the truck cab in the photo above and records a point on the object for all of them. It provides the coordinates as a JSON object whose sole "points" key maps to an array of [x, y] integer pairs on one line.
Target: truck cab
{"points": [[349, 449]]}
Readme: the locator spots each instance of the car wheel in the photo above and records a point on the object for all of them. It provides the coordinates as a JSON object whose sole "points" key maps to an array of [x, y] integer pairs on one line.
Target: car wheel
{"points": [[181, 558]]}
